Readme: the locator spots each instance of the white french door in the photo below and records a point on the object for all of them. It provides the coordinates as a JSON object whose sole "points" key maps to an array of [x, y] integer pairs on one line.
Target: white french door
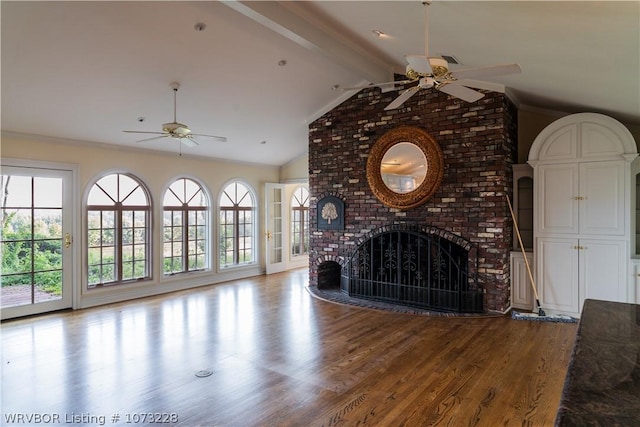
{"points": [[36, 243], [276, 233]]}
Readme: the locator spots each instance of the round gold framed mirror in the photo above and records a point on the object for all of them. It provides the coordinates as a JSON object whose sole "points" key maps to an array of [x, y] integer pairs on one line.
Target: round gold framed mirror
{"points": [[405, 167]]}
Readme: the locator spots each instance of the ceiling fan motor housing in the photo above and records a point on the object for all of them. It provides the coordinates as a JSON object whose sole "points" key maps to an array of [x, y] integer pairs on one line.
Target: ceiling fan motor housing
{"points": [[439, 67], [177, 130]]}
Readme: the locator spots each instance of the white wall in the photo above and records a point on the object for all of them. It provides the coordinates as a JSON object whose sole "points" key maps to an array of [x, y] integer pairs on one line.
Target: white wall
{"points": [[157, 170], [296, 170]]}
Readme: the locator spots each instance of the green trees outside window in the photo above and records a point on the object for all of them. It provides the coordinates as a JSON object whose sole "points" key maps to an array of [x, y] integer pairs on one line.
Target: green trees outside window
{"points": [[185, 227], [236, 225], [118, 231]]}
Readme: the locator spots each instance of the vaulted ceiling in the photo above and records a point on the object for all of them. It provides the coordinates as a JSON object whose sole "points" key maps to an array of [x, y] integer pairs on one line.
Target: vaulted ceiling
{"points": [[260, 72]]}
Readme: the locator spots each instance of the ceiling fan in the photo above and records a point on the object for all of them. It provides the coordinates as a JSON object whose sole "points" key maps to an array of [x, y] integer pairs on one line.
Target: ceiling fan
{"points": [[431, 72], [176, 130]]}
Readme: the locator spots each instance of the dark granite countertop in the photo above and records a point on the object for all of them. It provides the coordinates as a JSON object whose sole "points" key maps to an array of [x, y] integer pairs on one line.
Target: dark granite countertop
{"points": [[602, 386]]}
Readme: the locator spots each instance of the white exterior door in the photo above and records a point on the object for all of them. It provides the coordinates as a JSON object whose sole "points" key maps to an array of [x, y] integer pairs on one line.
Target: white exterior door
{"points": [[37, 240], [276, 234]]}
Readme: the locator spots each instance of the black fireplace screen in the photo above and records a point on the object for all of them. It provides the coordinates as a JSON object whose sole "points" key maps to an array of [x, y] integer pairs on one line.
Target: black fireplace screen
{"points": [[424, 267]]}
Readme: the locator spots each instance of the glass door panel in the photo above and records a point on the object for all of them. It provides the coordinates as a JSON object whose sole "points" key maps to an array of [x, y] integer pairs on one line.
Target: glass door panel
{"points": [[36, 240]]}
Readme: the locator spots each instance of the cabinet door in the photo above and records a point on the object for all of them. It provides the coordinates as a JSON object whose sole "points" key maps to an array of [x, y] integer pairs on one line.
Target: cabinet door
{"points": [[521, 293], [557, 194], [557, 273], [635, 282], [603, 270], [602, 198]]}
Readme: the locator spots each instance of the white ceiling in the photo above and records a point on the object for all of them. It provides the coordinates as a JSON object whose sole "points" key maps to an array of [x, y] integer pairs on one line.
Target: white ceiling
{"points": [[85, 71]]}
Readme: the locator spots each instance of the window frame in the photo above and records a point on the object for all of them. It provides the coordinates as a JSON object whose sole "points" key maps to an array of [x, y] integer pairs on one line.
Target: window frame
{"points": [[117, 208], [235, 210], [295, 206], [185, 209]]}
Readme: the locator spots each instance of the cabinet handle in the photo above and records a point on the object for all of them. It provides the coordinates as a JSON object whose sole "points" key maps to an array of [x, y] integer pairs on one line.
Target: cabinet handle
{"points": [[579, 198]]}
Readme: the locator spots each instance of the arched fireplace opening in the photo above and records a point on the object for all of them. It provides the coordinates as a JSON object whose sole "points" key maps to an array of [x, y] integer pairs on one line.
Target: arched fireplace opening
{"points": [[424, 267], [329, 275]]}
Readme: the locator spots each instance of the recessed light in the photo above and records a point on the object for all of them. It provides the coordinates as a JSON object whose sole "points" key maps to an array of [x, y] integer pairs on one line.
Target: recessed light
{"points": [[282, 62], [378, 33], [200, 26]]}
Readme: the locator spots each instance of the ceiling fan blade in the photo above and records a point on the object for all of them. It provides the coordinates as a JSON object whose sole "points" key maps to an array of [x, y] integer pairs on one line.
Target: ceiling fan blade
{"points": [[419, 64], [404, 96], [219, 138], [397, 82], [189, 142], [153, 137], [461, 92], [495, 70], [479, 84], [140, 131]]}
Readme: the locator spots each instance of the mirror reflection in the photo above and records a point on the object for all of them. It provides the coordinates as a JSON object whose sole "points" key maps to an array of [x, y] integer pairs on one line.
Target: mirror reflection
{"points": [[403, 167]]}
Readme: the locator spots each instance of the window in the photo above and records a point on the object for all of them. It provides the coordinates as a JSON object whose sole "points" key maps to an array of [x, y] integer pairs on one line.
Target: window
{"points": [[185, 229], [300, 222], [118, 231], [236, 225]]}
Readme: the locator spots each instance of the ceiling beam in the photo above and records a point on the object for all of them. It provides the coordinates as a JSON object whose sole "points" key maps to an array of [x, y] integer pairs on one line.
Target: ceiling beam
{"points": [[297, 23]]}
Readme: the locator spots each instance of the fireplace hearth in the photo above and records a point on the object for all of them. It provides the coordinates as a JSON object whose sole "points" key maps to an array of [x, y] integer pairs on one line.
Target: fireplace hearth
{"points": [[424, 267]]}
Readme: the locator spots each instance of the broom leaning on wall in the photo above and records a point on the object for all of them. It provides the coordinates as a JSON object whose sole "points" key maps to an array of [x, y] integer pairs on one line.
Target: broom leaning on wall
{"points": [[540, 315]]}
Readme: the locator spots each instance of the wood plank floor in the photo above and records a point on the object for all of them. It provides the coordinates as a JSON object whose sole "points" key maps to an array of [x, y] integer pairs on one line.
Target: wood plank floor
{"points": [[280, 357]]}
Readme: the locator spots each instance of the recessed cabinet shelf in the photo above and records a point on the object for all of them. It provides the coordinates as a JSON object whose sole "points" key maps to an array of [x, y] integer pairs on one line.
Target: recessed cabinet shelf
{"points": [[523, 205]]}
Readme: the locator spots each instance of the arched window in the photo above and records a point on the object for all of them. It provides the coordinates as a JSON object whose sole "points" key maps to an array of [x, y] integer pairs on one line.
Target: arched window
{"points": [[236, 225], [185, 227], [118, 231], [300, 222]]}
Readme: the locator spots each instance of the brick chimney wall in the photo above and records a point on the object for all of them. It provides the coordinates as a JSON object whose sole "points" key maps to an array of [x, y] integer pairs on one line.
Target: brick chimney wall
{"points": [[479, 143]]}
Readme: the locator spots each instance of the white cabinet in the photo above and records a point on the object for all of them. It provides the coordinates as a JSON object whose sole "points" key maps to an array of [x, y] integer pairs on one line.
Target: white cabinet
{"points": [[572, 270], [602, 270], [557, 274], [521, 291], [635, 275], [582, 214], [602, 198], [557, 206], [582, 198]]}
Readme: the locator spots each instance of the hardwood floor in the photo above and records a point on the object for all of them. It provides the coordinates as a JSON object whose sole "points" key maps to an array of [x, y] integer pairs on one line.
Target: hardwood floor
{"points": [[280, 357]]}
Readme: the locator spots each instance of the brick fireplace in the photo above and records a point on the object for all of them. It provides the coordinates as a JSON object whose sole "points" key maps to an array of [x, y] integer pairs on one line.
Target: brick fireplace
{"points": [[478, 141]]}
